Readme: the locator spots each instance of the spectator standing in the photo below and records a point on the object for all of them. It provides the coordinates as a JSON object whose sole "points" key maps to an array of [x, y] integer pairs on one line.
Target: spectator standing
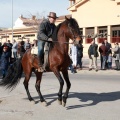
{"points": [[22, 49], [103, 52], [108, 45], [71, 66], [14, 49], [0, 49], [18, 48], [34, 47], [74, 55], [116, 51], [9, 44], [34, 44], [5, 60], [110, 61], [93, 54], [27, 44], [79, 55]]}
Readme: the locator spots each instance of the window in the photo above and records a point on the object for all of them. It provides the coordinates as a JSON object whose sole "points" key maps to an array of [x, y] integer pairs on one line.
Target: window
{"points": [[115, 36], [30, 35], [5, 36], [89, 31], [102, 30], [17, 36]]}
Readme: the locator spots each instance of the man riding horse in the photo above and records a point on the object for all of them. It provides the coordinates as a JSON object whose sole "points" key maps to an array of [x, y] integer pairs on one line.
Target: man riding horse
{"points": [[45, 32]]}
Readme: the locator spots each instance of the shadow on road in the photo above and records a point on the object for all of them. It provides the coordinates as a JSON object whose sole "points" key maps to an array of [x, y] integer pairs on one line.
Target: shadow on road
{"points": [[95, 98]]}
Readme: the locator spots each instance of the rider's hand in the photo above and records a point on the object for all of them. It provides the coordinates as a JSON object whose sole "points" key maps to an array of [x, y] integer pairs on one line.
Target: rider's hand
{"points": [[50, 39]]}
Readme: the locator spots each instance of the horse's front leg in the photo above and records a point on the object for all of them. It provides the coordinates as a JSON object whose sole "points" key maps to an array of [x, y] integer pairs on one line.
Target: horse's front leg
{"points": [[58, 75], [37, 86], [66, 77]]}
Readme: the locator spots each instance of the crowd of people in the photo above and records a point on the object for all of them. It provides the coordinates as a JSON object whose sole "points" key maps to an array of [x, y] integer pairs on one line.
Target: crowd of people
{"points": [[9, 52], [105, 51]]}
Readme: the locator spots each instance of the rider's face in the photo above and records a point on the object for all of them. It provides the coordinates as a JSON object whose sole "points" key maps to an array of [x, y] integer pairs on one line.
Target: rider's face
{"points": [[52, 20]]}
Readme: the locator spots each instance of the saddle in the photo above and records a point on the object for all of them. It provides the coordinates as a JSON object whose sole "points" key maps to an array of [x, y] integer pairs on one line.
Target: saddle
{"points": [[34, 52]]}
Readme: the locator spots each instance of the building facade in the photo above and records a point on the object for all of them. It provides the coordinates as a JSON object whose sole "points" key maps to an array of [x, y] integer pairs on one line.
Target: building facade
{"points": [[97, 16]]}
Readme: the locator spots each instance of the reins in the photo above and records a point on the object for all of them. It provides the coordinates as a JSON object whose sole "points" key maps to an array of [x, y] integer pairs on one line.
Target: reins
{"points": [[57, 42]]}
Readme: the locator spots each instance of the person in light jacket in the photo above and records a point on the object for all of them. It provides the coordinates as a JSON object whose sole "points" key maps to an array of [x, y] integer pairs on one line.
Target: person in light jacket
{"points": [[74, 55], [14, 49]]}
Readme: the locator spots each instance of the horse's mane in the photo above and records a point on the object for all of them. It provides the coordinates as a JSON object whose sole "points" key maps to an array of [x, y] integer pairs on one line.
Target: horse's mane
{"points": [[54, 36], [74, 23]]}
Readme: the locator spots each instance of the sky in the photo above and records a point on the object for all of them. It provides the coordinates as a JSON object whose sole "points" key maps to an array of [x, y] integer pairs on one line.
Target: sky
{"points": [[27, 8]]}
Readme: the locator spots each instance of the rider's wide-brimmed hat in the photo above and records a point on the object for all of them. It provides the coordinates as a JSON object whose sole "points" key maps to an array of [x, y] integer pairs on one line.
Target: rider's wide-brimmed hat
{"points": [[52, 15]]}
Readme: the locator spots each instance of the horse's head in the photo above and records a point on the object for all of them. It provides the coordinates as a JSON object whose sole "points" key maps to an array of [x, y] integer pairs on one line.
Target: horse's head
{"points": [[73, 30]]}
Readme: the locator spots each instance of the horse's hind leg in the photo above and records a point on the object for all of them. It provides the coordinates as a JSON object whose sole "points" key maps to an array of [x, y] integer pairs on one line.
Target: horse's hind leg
{"points": [[37, 86], [66, 77], [26, 80]]}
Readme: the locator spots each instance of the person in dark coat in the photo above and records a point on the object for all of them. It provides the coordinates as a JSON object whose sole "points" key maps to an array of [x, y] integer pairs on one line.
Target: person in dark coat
{"points": [[79, 56], [108, 45], [103, 53], [22, 48], [0, 49], [9, 44], [93, 54], [45, 32], [5, 60]]}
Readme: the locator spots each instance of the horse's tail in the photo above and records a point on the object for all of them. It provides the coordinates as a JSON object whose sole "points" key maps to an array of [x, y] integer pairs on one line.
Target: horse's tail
{"points": [[13, 75]]}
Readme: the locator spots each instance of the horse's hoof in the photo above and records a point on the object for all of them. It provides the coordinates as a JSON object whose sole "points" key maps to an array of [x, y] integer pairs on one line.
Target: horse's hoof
{"points": [[59, 102], [44, 103], [63, 104], [32, 102]]}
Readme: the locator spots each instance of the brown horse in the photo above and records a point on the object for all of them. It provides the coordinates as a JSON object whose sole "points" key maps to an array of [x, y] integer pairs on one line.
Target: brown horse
{"points": [[58, 61]]}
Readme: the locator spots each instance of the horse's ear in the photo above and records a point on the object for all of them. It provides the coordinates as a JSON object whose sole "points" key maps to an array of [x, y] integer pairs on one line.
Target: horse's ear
{"points": [[66, 18]]}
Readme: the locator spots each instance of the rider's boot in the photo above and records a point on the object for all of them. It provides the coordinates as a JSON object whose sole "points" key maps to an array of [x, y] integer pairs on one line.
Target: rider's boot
{"points": [[40, 68]]}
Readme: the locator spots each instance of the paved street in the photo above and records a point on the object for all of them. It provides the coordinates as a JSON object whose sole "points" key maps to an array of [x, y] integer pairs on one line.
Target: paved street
{"points": [[93, 96]]}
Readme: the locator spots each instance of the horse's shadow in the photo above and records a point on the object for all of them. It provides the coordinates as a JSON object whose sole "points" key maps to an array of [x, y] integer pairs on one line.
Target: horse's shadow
{"points": [[95, 98]]}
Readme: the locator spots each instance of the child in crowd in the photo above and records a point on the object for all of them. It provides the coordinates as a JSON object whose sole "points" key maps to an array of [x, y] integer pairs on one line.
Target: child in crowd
{"points": [[110, 61]]}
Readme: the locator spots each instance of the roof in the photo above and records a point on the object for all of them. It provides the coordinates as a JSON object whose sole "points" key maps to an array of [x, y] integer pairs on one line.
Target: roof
{"points": [[34, 21], [30, 21]]}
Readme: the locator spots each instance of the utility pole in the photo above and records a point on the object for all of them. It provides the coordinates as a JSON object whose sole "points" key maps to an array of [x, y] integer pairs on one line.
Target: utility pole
{"points": [[12, 21]]}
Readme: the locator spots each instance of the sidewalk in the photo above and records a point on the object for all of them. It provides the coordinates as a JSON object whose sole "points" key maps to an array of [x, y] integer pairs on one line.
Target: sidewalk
{"points": [[85, 61]]}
